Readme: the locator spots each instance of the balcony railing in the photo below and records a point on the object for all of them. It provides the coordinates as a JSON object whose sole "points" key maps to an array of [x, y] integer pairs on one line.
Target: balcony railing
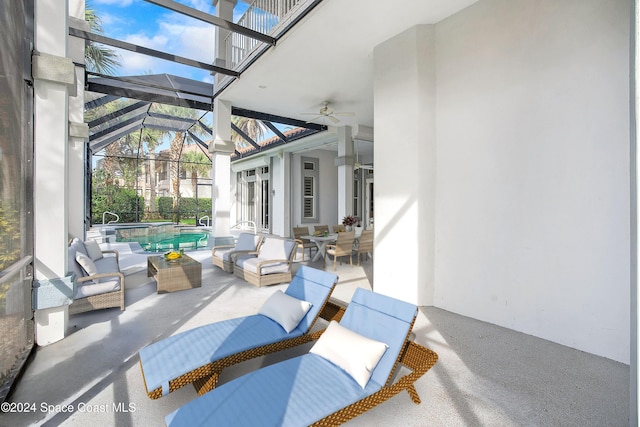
{"points": [[263, 16]]}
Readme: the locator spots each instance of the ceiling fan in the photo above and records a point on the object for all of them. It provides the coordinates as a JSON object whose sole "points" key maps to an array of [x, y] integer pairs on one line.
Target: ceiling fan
{"points": [[327, 112], [357, 165]]}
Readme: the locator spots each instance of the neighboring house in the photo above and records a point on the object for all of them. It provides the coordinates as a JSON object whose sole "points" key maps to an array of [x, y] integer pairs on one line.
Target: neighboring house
{"points": [[163, 175]]}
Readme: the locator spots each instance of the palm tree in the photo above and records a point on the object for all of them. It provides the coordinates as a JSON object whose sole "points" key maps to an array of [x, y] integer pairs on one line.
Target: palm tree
{"points": [[97, 57], [152, 138], [255, 129], [175, 150]]}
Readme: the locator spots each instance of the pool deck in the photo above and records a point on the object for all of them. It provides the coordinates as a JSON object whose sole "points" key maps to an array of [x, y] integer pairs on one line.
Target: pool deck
{"points": [[486, 375]]}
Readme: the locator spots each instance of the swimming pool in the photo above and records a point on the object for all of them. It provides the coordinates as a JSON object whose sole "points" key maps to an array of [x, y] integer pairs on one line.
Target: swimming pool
{"points": [[163, 237]]}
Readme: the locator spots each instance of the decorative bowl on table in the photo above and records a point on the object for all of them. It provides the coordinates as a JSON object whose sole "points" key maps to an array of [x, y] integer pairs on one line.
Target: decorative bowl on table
{"points": [[172, 256]]}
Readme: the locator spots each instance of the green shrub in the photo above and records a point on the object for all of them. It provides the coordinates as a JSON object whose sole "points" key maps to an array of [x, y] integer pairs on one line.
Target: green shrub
{"points": [[187, 207], [121, 201]]}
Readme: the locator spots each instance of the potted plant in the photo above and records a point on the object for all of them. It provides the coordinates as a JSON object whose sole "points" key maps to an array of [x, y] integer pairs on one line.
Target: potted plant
{"points": [[348, 222]]}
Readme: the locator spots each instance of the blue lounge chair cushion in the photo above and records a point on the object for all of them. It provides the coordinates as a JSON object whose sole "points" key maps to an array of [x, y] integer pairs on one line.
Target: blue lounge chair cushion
{"points": [[179, 354], [296, 392], [383, 319], [303, 390]]}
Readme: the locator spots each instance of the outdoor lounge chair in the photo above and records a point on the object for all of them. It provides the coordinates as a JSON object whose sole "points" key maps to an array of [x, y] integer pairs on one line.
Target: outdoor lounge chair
{"points": [[199, 355], [311, 389], [224, 256], [272, 265]]}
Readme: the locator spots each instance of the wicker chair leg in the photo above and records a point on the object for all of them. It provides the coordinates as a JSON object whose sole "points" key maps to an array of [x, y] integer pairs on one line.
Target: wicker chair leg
{"points": [[413, 394], [206, 384]]}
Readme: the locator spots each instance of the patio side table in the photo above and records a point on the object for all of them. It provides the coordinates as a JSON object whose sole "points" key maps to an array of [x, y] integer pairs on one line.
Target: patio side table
{"points": [[175, 275]]}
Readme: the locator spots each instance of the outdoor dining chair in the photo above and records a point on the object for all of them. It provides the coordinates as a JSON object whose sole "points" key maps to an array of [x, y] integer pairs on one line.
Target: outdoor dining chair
{"points": [[342, 247]]}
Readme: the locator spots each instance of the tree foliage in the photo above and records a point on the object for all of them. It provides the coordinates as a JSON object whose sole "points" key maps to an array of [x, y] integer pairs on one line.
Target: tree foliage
{"points": [[110, 197]]}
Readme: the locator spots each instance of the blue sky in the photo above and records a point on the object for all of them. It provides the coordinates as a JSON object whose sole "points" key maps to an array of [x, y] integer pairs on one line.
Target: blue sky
{"points": [[146, 24]]}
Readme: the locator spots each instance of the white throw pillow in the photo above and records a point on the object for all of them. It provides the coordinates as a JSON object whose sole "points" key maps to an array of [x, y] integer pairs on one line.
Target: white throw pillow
{"points": [[286, 310], [87, 264], [93, 249], [356, 354]]}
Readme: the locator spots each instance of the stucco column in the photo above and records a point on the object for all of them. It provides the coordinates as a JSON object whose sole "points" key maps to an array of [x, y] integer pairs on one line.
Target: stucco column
{"points": [[634, 401], [78, 130], [405, 190], [54, 77], [222, 147], [224, 10], [344, 162]]}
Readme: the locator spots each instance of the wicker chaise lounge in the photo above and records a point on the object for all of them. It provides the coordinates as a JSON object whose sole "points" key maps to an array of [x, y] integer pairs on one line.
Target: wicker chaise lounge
{"points": [[331, 384], [199, 355]]}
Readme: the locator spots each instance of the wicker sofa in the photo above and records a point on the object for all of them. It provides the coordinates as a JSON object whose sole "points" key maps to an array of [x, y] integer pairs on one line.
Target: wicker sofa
{"points": [[271, 265], [99, 282]]}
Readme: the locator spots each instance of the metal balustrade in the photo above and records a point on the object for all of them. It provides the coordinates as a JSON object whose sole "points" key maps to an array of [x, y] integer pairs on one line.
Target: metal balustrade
{"points": [[262, 16]]}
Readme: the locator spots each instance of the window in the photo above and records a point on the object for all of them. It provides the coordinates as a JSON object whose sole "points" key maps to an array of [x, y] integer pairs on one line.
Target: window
{"points": [[252, 197], [309, 190]]}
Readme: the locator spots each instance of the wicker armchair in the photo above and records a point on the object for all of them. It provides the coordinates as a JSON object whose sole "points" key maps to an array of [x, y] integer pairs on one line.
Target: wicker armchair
{"points": [[224, 256], [103, 288], [342, 247], [339, 228], [298, 232], [272, 265]]}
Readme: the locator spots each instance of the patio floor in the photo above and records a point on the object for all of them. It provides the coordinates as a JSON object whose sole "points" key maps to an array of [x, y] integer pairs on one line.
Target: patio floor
{"points": [[486, 375]]}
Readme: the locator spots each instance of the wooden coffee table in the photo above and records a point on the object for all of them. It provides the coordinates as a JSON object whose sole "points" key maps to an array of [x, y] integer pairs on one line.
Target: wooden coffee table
{"points": [[176, 275]]}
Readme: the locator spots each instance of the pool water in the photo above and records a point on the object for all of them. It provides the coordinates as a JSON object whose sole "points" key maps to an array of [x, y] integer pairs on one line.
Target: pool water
{"points": [[167, 241]]}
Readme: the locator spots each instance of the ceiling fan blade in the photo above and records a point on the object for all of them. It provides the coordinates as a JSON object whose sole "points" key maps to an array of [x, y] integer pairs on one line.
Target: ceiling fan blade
{"points": [[315, 118], [333, 119], [345, 113]]}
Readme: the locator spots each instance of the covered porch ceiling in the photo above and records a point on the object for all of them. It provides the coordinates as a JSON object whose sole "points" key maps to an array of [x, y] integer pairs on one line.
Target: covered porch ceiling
{"points": [[339, 36]]}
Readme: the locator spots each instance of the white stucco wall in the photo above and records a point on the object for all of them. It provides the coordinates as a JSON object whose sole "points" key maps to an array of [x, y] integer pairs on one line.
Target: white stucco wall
{"points": [[528, 171], [405, 166], [328, 188], [532, 229]]}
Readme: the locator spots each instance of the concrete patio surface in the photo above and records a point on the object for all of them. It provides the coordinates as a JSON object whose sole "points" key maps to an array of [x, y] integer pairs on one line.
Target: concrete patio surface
{"points": [[486, 375]]}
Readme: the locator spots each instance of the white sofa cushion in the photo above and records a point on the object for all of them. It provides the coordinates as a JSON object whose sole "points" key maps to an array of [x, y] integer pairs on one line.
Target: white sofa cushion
{"points": [[273, 248], [286, 310], [78, 245], [87, 264], [247, 242], [72, 264], [251, 264], [224, 254], [93, 249], [89, 288], [356, 354], [107, 264]]}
